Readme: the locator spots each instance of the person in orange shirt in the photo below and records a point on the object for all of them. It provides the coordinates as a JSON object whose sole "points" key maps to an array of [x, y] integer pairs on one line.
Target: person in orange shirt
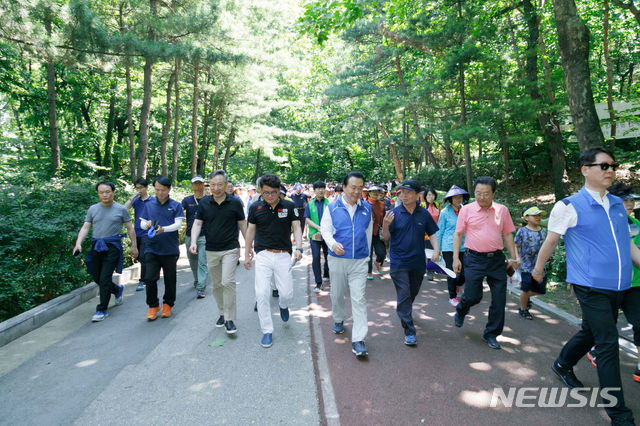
{"points": [[378, 246]]}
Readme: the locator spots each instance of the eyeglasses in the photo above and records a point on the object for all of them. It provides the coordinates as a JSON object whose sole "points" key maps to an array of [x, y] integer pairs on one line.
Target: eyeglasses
{"points": [[270, 193], [604, 166]]}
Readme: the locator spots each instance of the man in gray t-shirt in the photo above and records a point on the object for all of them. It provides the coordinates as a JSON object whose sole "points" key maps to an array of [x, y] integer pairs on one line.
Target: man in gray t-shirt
{"points": [[105, 256], [107, 220]]}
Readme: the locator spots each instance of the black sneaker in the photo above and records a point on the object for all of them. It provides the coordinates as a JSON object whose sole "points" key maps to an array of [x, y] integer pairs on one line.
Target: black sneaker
{"points": [[318, 288], [230, 327], [524, 313], [566, 375], [492, 342], [458, 320], [275, 293], [220, 322]]}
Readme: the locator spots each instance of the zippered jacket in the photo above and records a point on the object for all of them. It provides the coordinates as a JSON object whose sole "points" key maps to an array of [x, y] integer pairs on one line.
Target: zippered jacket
{"points": [[351, 233], [598, 249]]}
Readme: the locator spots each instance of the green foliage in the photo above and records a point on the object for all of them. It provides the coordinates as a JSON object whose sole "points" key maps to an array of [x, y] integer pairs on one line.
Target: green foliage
{"points": [[39, 222]]}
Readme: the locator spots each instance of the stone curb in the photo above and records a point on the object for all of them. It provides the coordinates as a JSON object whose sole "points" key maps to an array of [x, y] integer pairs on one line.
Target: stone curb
{"points": [[28, 321], [626, 341]]}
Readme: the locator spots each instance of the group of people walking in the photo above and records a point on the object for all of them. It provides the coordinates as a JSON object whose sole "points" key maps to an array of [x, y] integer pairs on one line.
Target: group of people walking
{"points": [[349, 237]]}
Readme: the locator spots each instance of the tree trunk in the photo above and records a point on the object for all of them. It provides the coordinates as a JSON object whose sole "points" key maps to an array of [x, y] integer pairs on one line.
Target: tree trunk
{"points": [[504, 145], [130, 132], [573, 41], [607, 61], [216, 137], [111, 124], [146, 101], [176, 126], [54, 142], [395, 159], [194, 120], [547, 121], [204, 140], [463, 122], [167, 127], [257, 172], [414, 117]]}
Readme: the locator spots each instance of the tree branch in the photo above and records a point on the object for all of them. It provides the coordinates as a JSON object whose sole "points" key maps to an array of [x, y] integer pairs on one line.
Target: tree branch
{"points": [[77, 49], [630, 7]]}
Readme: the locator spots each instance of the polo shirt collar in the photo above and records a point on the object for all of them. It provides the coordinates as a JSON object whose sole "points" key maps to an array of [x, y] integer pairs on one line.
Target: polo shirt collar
{"points": [[227, 197], [403, 208], [479, 207], [358, 203]]}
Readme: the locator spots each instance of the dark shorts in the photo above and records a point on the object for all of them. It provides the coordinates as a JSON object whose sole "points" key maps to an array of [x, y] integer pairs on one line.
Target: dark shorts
{"points": [[529, 284]]}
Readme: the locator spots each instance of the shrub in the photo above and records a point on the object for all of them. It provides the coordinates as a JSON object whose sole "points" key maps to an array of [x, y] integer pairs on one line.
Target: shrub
{"points": [[38, 228]]}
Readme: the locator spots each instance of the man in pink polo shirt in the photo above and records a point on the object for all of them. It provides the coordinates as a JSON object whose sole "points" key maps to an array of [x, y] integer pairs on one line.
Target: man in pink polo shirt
{"points": [[488, 228]]}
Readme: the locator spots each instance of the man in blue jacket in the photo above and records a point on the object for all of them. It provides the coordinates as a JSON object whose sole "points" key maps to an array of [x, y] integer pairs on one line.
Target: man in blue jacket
{"points": [[599, 257], [346, 227]]}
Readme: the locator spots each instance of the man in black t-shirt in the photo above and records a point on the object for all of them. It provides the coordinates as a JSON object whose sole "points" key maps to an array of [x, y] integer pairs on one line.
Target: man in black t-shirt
{"points": [[221, 216], [270, 222]]}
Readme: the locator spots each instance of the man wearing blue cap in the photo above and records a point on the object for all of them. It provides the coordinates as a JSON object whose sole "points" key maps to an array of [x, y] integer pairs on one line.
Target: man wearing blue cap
{"points": [[197, 261], [406, 226]]}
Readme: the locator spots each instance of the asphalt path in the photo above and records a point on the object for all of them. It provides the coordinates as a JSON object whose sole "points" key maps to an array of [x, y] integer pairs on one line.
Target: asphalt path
{"points": [[449, 377], [179, 370]]}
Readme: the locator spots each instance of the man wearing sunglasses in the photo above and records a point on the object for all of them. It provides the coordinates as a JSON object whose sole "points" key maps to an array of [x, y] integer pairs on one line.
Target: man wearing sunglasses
{"points": [[599, 258]]}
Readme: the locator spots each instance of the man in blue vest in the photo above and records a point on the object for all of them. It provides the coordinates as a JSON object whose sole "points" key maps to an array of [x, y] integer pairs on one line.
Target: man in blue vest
{"points": [[346, 228], [599, 258], [313, 215]]}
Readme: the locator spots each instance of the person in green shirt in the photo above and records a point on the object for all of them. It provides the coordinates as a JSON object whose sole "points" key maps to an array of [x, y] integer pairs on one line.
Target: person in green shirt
{"points": [[631, 299]]}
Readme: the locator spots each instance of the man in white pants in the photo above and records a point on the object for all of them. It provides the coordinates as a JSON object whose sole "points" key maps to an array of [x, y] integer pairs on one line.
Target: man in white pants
{"points": [[346, 227], [270, 222]]}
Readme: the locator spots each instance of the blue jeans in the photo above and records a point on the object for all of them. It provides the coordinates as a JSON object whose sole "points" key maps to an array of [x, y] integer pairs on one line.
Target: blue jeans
{"points": [[407, 283], [317, 248]]}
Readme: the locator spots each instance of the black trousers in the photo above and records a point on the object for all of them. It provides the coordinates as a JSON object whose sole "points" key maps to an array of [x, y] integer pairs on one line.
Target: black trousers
{"points": [[317, 249], [106, 263], [631, 309], [141, 242], [407, 283], [458, 281], [168, 264], [599, 317], [476, 268], [379, 249]]}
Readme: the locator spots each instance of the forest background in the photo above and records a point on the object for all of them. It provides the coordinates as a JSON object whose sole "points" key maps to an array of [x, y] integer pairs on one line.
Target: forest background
{"points": [[441, 91]]}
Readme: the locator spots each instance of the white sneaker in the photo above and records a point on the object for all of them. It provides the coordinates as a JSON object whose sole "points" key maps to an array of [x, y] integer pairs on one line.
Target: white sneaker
{"points": [[454, 302]]}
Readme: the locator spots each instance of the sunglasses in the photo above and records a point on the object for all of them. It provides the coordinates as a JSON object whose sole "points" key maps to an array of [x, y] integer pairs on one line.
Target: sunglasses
{"points": [[605, 166]]}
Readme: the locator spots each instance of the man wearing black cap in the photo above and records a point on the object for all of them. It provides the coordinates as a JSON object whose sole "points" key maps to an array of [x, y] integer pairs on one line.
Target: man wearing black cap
{"points": [[405, 226], [198, 261]]}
